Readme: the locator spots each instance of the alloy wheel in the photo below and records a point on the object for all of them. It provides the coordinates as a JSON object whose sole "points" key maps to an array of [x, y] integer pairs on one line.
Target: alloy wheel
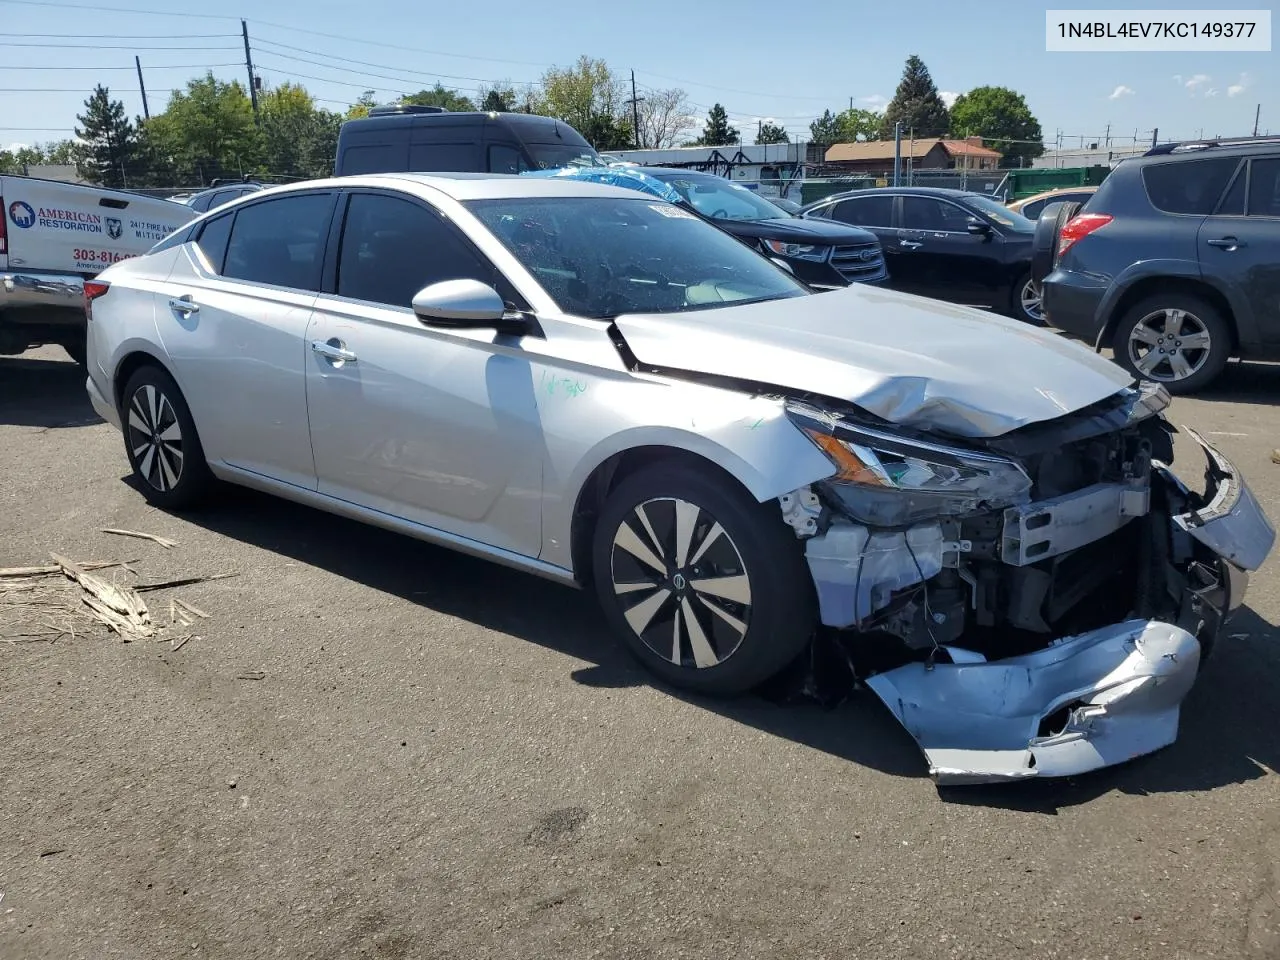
{"points": [[1029, 297], [681, 583], [155, 438], [1169, 345]]}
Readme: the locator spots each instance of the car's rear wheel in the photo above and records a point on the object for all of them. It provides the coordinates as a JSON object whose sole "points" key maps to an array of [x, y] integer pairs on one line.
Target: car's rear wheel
{"points": [[1175, 339], [707, 588], [161, 441], [1024, 301]]}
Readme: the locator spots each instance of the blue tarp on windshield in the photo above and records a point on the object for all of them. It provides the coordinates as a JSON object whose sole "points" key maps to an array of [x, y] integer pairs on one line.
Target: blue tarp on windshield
{"points": [[625, 177]]}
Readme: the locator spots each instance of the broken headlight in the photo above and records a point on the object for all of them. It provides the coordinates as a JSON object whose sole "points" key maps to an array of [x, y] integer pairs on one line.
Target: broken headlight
{"points": [[884, 480]]}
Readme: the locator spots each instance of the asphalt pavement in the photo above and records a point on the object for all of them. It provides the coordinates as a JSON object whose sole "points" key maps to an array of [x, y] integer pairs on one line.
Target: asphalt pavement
{"points": [[375, 747]]}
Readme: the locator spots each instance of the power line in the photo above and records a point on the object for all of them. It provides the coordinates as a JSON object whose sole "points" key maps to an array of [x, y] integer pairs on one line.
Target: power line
{"points": [[124, 36], [394, 46], [110, 46], [163, 66], [423, 73], [98, 8]]}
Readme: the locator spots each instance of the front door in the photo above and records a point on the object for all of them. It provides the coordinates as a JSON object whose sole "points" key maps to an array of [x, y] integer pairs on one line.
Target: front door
{"points": [[436, 426], [946, 261], [239, 302], [1244, 251]]}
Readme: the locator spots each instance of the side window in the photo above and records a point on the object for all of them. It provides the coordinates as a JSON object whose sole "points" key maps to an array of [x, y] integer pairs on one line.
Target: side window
{"points": [[280, 241], [201, 203], [392, 248], [1188, 186], [443, 157], [504, 159], [213, 239], [931, 214], [870, 211], [1264, 188], [1032, 210], [378, 158], [1232, 204]]}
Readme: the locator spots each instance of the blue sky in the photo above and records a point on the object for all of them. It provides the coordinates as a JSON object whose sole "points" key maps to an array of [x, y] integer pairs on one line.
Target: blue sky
{"points": [[761, 60]]}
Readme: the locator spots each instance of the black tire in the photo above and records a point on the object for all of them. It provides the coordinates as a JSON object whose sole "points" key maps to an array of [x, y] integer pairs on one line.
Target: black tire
{"points": [[172, 473], [77, 349], [1044, 243], [1199, 317], [736, 547], [1019, 306]]}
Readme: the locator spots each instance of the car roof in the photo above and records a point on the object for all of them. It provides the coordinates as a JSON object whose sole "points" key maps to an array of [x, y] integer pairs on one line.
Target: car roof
{"points": [[1090, 188], [901, 192], [661, 172], [470, 186]]}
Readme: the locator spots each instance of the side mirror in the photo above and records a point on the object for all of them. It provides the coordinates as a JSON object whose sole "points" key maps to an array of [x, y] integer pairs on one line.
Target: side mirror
{"points": [[459, 303], [978, 228]]}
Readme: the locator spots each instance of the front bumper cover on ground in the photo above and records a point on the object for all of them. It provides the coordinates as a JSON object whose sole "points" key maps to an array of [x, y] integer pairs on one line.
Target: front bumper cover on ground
{"points": [[1088, 701]]}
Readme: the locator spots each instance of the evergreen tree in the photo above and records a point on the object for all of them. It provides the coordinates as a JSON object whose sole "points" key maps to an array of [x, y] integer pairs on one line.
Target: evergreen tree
{"points": [[825, 130], [717, 132], [495, 101], [110, 141], [772, 133], [916, 104]]}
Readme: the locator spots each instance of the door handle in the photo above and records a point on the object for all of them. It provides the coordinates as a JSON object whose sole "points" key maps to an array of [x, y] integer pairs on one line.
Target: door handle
{"points": [[909, 245], [1227, 243], [333, 349], [184, 305]]}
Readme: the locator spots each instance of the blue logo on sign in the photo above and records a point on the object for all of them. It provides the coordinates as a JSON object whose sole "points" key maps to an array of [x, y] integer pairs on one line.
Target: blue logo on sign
{"points": [[21, 214]]}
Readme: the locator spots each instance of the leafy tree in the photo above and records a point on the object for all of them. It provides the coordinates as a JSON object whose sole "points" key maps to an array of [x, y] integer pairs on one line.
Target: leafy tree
{"points": [[441, 96], [916, 104], [362, 106], [825, 130], [298, 140], [207, 131], [856, 124], [1001, 117], [772, 133], [589, 98], [15, 160], [498, 101], [664, 118], [110, 140], [717, 132]]}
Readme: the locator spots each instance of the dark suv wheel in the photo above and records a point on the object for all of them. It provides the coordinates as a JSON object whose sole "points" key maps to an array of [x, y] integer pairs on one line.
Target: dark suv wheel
{"points": [[1176, 339]]}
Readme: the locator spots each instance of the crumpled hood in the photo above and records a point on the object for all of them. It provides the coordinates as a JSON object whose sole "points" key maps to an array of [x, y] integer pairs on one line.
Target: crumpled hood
{"points": [[909, 360]]}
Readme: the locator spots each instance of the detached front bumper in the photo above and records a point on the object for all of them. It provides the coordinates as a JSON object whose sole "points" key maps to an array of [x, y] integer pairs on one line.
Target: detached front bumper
{"points": [[1102, 697]]}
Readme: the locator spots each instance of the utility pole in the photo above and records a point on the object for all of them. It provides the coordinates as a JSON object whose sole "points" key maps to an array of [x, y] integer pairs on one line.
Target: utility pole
{"points": [[635, 111], [897, 151], [851, 103], [1256, 114], [1107, 136], [1155, 134], [248, 62], [146, 111]]}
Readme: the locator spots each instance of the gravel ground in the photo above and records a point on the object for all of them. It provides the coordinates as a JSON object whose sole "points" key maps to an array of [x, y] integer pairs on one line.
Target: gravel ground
{"points": [[442, 758]]}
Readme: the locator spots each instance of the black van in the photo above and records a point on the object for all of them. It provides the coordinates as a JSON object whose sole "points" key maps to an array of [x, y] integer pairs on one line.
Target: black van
{"points": [[422, 139]]}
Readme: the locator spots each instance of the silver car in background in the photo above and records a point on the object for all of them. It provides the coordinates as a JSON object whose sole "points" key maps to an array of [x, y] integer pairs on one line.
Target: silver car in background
{"points": [[602, 389]]}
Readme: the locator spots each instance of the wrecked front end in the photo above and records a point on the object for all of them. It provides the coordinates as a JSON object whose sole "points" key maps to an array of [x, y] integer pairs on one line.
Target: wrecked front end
{"points": [[1050, 591]]}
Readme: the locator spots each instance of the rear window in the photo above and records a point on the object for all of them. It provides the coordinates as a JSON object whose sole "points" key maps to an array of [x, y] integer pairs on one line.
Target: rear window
{"points": [[1188, 186]]}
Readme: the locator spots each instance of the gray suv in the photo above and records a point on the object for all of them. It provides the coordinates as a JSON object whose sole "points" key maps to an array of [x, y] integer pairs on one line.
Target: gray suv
{"points": [[1174, 262]]}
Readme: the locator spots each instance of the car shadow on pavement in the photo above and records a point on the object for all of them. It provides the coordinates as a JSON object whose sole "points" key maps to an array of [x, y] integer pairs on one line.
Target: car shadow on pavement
{"points": [[44, 393], [1229, 722], [1245, 383]]}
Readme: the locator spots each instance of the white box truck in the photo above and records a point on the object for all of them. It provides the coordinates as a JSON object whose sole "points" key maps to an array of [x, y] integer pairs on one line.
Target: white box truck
{"points": [[53, 237]]}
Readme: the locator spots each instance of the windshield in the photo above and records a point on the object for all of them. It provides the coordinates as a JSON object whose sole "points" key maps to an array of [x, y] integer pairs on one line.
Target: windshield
{"points": [[550, 156], [720, 199], [1001, 214], [600, 257]]}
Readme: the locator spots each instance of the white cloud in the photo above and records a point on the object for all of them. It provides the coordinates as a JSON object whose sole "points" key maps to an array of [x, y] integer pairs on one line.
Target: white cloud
{"points": [[15, 147], [1239, 86], [1199, 80], [1177, 78], [875, 100], [1120, 91], [948, 98], [1211, 92]]}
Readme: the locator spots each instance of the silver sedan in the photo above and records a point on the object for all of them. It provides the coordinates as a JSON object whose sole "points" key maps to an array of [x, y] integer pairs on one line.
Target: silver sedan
{"points": [[599, 388]]}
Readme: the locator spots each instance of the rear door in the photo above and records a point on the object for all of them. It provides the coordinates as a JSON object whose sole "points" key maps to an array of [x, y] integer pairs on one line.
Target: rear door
{"points": [[239, 302], [942, 258], [1240, 244], [873, 211]]}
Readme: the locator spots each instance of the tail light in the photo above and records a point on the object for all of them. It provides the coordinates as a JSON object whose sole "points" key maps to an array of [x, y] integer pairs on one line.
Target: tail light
{"points": [[1077, 228], [93, 289], [4, 228]]}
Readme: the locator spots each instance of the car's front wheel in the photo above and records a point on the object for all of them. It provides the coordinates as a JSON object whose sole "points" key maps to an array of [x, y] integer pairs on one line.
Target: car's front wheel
{"points": [[708, 588], [161, 441], [1024, 301], [1176, 339]]}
